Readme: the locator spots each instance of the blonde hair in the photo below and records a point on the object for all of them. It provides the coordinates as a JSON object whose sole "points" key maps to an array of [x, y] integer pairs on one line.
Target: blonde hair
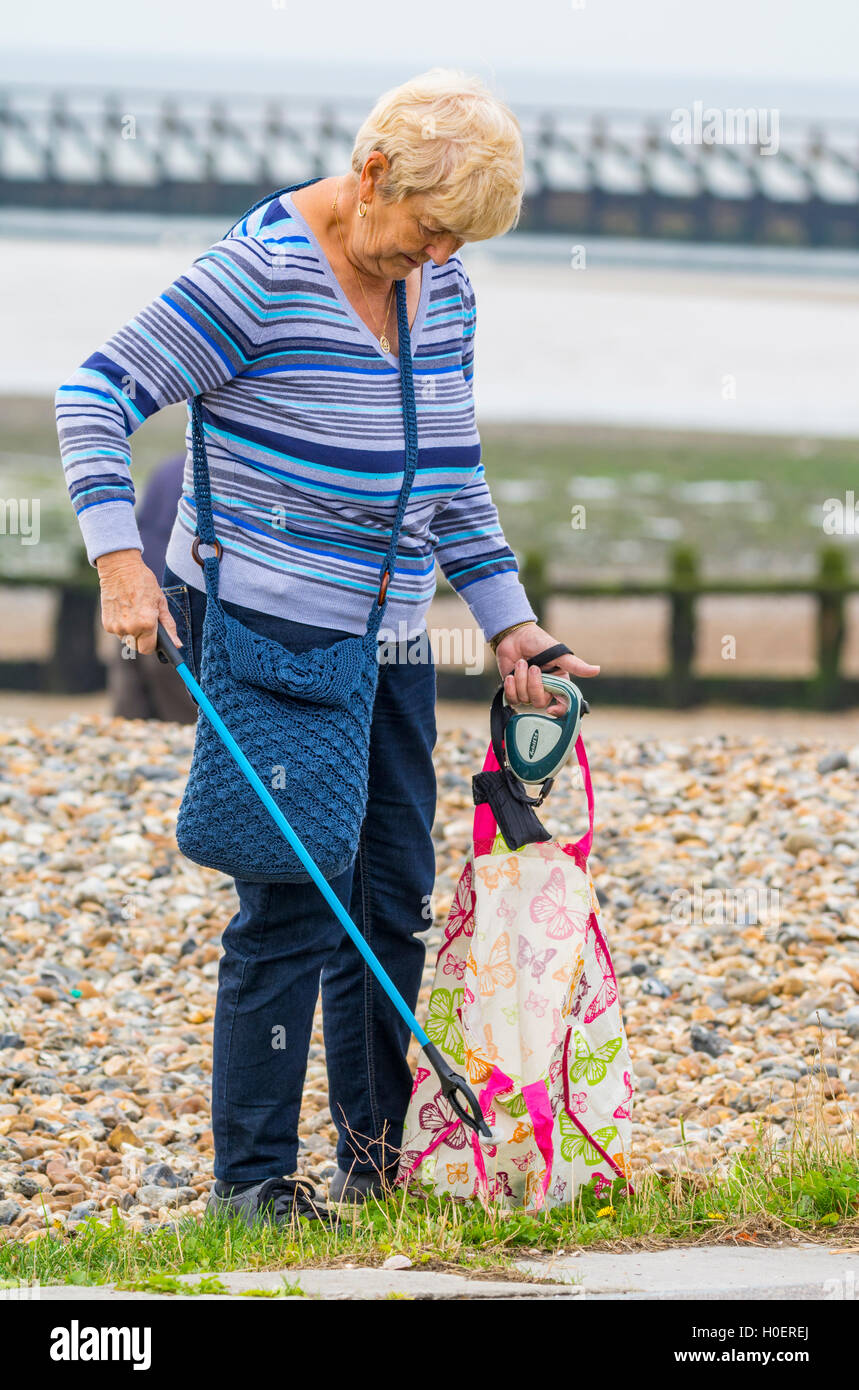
{"points": [[446, 136]]}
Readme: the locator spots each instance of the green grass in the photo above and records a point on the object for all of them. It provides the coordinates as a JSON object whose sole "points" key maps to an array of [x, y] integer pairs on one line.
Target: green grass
{"points": [[170, 1283], [286, 1290], [771, 523], [30, 467], [808, 1189]]}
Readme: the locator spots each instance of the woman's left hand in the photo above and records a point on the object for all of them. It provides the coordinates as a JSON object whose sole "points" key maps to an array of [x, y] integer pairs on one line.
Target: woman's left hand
{"points": [[523, 684]]}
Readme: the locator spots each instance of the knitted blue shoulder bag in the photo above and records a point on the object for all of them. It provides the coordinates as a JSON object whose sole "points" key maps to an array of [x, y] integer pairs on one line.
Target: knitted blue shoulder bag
{"points": [[301, 718]]}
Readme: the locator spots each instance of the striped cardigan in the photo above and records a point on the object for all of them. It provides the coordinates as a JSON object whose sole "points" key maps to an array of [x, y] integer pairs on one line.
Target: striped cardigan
{"points": [[304, 435]]}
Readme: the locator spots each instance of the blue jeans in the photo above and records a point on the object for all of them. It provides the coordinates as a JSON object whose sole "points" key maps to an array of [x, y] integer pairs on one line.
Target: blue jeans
{"points": [[284, 942]]}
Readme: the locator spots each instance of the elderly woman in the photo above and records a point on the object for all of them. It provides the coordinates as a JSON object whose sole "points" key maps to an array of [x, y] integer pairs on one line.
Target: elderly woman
{"points": [[286, 325]]}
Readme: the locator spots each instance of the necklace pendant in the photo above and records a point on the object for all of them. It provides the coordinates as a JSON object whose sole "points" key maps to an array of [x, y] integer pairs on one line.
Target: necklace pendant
{"points": [[384, 344]]}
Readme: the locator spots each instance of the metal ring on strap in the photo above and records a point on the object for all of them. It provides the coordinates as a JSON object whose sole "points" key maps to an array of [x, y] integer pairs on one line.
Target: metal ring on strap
{"points": [[195, 550], [383, 587]]}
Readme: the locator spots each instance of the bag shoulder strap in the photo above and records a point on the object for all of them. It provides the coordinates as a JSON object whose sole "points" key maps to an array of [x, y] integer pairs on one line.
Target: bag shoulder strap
{"points": [[269, 197], [410, 435], [202, 485]]}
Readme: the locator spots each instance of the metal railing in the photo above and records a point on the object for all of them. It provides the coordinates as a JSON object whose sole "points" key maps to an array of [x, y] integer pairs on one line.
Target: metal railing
{"points": [[607, 173]]}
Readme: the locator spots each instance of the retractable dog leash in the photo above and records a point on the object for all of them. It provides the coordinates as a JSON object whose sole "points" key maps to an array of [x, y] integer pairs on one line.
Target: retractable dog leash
{"points": [[530, 748], [537, 745]]}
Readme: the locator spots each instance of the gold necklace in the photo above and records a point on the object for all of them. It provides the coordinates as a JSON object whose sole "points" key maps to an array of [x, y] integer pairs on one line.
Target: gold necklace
{"points": [[384, 343]]}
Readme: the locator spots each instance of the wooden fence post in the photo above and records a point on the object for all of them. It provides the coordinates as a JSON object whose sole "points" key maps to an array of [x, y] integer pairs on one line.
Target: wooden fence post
{"points": [[833, 579], [74, 667], [683, 586]]}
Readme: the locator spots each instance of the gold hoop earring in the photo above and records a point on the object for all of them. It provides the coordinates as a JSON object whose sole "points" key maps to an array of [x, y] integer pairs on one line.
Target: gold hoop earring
{"points": [[362, 209]]}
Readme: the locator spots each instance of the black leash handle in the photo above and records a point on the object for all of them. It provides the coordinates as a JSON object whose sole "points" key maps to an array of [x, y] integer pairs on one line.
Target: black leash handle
{"points": [[499, 713], [166, 650]]}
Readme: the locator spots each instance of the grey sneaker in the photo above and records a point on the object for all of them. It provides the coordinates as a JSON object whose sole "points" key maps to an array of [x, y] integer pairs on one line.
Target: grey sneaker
{"points": [[357, 1187], [276, 1200]]}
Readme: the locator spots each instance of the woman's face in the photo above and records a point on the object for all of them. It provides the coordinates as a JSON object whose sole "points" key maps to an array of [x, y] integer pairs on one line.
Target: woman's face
{"points": [[397, 237]]}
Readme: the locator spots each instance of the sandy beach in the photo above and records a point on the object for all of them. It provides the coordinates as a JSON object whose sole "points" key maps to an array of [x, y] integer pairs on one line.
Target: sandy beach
{"points": [[625, 345]]}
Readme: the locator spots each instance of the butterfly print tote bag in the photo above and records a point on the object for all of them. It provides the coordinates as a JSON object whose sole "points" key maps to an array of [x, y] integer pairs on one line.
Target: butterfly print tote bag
{"points": [[525, 1003]]}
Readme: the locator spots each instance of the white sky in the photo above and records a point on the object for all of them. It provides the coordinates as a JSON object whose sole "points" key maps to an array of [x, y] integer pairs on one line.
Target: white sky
{"points": [[785, 39]]}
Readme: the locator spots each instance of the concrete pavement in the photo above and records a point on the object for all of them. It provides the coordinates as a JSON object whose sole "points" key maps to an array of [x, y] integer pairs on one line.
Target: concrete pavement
{"points": [[723, 1272]]}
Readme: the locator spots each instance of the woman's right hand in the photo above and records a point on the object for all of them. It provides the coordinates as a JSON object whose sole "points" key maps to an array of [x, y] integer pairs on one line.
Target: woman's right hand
{"points": [[132, 602]]}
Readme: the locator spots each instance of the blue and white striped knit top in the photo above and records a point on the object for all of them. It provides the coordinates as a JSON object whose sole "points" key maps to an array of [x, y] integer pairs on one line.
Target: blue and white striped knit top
{"points": [[304, 435]]}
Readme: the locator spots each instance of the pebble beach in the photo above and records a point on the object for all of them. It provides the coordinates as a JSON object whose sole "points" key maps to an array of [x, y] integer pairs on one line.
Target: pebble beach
{"points": [[726, 865]]}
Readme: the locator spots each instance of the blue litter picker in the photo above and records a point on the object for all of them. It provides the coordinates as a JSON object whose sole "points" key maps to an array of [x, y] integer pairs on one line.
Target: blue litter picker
{"points": [[452, 1085]]}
